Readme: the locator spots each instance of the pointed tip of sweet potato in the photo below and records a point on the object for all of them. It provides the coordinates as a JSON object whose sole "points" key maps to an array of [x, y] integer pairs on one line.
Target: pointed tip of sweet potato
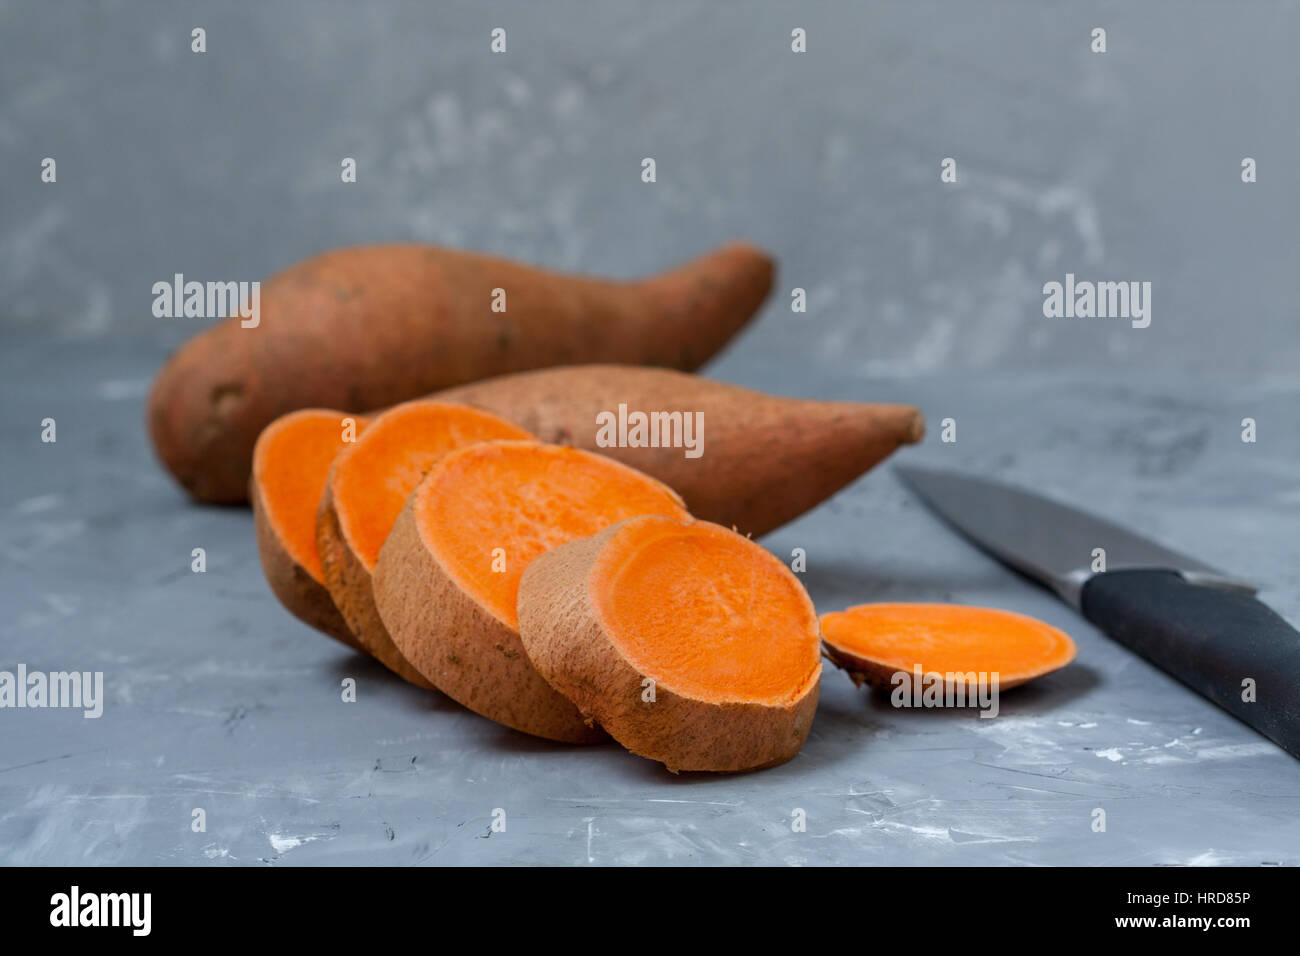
{"points": [[911, 424]]}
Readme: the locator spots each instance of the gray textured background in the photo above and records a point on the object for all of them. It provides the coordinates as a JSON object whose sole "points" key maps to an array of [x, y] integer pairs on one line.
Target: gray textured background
{"points": [[1125, 165], [225, 166]]}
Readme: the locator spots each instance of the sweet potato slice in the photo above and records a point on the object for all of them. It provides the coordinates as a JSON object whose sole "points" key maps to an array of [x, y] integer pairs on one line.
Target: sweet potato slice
{"points": [[290, 463], [367, 486], [765, 459], [448, 575], [873, 642], [689, 643]]}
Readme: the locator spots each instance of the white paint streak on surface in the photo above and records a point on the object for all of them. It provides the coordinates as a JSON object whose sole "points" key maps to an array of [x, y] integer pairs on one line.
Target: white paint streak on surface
{"points": [[956, 836], [283, 843], [121, 389], [1195, 752], [31, 506]]}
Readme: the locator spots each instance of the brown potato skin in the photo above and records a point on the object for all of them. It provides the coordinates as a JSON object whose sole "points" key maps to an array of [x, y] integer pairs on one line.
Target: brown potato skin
{"points": [[302, 595], [348, 584], [879, 677], [567, 644], [365, 327], [766, 459], [478, 661]]}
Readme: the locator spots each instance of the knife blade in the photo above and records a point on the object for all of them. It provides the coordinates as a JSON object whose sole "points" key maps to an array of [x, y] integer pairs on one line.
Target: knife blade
{"points": [[1199, 624]]}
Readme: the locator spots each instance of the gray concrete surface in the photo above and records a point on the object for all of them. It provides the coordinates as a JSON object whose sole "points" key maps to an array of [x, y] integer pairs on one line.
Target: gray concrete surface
{"points": [[217, 699]]}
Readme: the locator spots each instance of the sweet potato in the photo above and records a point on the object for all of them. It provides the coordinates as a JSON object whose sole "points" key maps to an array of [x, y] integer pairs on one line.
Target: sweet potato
{"points": [[448, 574], [765, 460], [290, 463], [363, 328], [873, 642], [367, 486], [688, 643]]}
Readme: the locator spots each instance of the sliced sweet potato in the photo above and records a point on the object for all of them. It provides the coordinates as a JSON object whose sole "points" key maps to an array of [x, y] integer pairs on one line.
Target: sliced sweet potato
{"points": [[447, 576], [290, 463], [873, 642], [688, 643], [367, 486], [765, 459]]}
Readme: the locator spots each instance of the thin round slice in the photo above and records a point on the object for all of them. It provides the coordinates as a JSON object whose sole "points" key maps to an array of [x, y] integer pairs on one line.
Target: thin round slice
{"points": [[367, 487], [291, 460], [689, 643], [448, 576], [873, 642]]}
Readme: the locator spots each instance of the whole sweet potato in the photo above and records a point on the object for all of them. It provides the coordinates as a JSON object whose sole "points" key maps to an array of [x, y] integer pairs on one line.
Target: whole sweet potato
{"points": [[763, 459], [362, 328]]}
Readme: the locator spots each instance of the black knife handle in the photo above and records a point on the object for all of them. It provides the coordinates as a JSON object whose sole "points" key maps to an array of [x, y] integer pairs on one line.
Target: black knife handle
{"points": [[1211, 639]]}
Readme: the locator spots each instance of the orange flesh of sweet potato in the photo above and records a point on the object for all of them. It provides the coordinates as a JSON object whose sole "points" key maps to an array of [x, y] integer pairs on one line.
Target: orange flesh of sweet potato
{"points": [[290, 464], [373, 478], [874, 641], [447, 600], [367, 486], [367, 327], [526, 499], [707, 612], [766, 459], [724, 630]]}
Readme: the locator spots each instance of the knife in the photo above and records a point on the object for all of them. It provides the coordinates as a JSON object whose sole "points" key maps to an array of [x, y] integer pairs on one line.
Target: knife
{"points": [[1202, 626]]}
